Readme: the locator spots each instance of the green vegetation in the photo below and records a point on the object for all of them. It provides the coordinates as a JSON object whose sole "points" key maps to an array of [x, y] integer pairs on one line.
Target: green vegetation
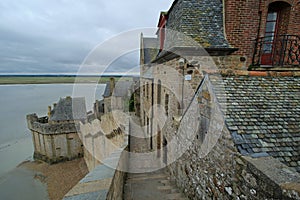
{"points": [[54, 79]]}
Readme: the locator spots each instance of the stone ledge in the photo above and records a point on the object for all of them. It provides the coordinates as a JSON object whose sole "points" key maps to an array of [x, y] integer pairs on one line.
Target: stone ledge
{"points": [[273, 172], [89, 187], [101, 181]]}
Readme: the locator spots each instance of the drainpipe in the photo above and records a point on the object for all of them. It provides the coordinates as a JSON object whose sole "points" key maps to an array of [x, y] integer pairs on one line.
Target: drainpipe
{"points": [[224, 19], [152, 111], [181, 65], [257, 36]]}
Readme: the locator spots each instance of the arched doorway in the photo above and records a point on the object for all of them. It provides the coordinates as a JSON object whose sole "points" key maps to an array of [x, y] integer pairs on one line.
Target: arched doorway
{"points": [[277, 21]]}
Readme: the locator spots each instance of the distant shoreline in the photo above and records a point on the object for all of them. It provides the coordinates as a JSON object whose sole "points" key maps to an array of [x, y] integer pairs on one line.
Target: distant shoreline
{"points": [[54, 79]]}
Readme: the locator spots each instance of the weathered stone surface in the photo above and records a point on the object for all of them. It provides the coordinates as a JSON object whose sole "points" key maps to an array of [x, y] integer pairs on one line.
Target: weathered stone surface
{"points": [[201, 20], [54, 142], [223, 173]]}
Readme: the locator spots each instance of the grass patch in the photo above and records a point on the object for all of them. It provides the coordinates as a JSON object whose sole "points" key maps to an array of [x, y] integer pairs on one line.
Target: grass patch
{"points": [[54, 80]]}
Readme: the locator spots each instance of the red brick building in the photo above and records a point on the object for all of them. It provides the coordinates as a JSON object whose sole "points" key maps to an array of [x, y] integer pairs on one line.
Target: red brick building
{"points": [[265, 31]]}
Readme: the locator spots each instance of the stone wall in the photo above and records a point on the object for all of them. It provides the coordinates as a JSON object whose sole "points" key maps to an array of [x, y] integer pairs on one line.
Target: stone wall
{"points": [[169, 82], [212, 168], [54, 142], [42, 126], [224, 174], [101, 138], [97, 146], [116, 188], [113, 103], [104, 181], [112, 121]]}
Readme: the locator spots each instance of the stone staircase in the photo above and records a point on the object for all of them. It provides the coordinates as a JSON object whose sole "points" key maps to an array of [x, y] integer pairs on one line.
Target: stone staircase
{"points": [[152, 185], [143, 182]]}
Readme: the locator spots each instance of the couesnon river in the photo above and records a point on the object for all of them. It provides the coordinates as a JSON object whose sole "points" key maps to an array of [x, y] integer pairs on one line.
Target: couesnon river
{"points": [[19, 100]]}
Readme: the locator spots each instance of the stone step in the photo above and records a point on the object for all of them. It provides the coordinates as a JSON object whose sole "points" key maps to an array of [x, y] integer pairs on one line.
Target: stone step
{"points": [[168, 181], [147, 175], [168, 189], [174, 196], [143, 178]]}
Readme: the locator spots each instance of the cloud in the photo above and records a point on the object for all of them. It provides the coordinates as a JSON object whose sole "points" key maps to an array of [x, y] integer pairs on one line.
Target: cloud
{"points": [[57, 35]]}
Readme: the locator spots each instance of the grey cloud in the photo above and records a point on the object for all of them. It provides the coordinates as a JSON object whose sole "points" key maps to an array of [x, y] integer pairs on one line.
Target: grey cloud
{"points": [[57, 35]]}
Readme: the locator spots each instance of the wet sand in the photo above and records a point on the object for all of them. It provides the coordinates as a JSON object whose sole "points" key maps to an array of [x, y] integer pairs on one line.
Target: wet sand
{"points": [[59, 178], [39, 180]]}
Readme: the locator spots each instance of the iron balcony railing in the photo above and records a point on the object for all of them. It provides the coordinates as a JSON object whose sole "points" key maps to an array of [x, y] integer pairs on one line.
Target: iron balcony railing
{"points": [[281, 50]]}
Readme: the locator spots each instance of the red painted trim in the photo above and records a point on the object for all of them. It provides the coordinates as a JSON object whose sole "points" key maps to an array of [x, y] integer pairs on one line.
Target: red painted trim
{"points": [[161, 31]]}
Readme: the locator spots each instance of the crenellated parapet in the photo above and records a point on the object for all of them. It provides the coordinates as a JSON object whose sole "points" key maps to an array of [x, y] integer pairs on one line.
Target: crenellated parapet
{"points": [[55, 136], [43, 126], [54, 142]]}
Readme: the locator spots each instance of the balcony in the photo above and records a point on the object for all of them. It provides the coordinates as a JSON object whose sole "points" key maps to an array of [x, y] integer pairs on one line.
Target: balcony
{"points": [[281, 51]]}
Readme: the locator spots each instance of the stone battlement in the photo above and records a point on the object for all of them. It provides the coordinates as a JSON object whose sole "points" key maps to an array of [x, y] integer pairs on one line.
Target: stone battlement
{"points": [[54, 141], [42, 126]]}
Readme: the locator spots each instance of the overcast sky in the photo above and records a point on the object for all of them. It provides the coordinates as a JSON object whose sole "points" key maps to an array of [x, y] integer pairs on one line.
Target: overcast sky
{"points": [[56, 36]]}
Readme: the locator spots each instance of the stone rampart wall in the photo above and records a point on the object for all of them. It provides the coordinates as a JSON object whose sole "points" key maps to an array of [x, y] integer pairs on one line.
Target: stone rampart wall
{"points": [[49, 128], [57, 148], [57, 142], [212, 168], [54, 142], [99, 144], [104, 181], [116, 189], [225, 174]]}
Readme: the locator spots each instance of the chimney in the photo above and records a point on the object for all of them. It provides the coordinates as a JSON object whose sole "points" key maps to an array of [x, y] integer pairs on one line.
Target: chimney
{"points": [[112, 85], [49, 111]]}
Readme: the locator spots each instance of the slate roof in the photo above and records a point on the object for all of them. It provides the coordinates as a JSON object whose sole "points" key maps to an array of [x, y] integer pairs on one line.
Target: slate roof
{"points": [[263, 115], [69, 109], [121, 89], [202, 20], [150, 49]]}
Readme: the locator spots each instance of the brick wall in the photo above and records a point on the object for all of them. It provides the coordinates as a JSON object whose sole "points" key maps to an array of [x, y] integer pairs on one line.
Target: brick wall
{"points": [[241, 25], [246, 20], [294, 25]]}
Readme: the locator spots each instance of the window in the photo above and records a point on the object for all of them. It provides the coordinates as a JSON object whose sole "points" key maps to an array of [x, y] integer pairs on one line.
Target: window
{"points": [[147, 90], [159, 92], [167, 104]]}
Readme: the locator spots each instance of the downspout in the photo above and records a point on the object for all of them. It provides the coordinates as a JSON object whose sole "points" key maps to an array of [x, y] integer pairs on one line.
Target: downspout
{"points": [[224, 19], [259, 14], [257, 36], [182, 90], [152, 111]]}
